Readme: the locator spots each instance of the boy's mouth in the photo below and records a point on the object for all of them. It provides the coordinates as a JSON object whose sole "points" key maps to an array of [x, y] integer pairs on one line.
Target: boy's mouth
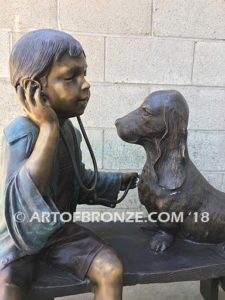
{"points": [[84, 101]]}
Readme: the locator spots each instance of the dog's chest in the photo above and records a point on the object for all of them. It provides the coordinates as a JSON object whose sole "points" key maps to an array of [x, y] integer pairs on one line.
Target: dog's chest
{"points": [[146, 184]]}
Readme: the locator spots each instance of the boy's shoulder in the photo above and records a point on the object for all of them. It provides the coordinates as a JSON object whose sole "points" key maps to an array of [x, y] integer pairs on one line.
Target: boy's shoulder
{"points": [[23, 126], [19, 128]]}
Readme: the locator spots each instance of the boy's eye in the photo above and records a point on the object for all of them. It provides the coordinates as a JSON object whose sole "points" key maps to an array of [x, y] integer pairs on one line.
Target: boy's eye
{"points": [[74, 75], [70, 78]]}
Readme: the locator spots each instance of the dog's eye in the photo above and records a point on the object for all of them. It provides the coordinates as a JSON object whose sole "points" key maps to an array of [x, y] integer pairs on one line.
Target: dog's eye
{"points": [[146, 112]]}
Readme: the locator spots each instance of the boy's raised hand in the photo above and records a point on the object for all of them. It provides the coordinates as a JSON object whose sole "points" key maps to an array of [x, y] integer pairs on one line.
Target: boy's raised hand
{"points": [[38, 110], [126, 177]]}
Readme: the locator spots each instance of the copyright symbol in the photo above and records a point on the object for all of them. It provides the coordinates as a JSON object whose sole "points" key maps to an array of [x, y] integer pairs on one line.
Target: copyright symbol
{"points": [[19, 217]]}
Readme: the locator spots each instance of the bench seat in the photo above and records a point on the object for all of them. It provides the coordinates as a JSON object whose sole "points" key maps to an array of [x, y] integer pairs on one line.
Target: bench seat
{"points": [[184, 261]]}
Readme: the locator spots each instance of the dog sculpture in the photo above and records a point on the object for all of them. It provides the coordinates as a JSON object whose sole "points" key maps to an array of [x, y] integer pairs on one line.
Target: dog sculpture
{"points": [[170, 182]]}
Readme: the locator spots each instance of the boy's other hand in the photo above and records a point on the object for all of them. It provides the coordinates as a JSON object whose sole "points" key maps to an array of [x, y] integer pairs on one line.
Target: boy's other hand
{"points": [[126, 177], [38, 110]]}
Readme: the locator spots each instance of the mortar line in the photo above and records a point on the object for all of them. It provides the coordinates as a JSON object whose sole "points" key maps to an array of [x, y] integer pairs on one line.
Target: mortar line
{"points": [[97, 83], [10, 41], [152, 8], [119, 35], [57, 14], [193, 62], [104, 58], [189, 129], [103, 147], [222, 172]]}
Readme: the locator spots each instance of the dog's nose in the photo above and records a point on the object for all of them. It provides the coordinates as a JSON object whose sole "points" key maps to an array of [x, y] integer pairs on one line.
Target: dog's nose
{"points": [[117, 122]]}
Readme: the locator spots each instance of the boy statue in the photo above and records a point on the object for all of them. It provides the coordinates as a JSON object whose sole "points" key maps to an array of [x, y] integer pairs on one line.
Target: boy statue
{"points": [[48, 69]]}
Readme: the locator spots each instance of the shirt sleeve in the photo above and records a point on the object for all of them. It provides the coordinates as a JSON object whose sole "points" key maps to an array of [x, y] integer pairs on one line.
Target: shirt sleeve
{"points": [[28, 215], [108, 183]]}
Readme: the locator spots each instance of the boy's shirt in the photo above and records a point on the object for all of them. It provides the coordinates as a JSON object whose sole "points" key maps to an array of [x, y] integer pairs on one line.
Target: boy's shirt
{"points": [[20, 199]]}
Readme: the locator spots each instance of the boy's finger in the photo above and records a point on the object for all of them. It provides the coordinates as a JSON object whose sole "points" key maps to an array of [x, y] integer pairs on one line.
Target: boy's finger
{"points": [[30, 94], [22, 97], [37, 97]]}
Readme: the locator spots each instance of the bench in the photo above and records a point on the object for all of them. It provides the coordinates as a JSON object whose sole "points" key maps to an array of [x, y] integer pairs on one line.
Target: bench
{"points": [[184, 261]]}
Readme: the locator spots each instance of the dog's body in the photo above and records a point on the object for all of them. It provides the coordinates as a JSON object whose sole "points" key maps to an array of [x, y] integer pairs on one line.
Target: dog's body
{"points": [[169, 181]]}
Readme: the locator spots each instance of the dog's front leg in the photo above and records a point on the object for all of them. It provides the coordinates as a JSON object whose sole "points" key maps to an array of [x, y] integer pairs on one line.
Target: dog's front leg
{"points": [[165, 237]]}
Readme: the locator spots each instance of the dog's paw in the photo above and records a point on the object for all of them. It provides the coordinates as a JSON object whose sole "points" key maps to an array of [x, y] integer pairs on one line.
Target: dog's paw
{"points": [[161, 241]]}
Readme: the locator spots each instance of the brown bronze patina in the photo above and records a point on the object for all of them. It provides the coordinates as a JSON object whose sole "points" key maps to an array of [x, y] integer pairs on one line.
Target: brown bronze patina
{"points": [[170, 182], [43, 171]]}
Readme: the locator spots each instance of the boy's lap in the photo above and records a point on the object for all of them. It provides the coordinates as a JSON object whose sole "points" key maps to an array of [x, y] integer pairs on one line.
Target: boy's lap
{"points": [[72, 247]]}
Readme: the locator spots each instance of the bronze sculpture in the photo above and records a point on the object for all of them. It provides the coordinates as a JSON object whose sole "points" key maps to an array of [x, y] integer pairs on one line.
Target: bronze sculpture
{"points": [[48, 70], [170, 182]]}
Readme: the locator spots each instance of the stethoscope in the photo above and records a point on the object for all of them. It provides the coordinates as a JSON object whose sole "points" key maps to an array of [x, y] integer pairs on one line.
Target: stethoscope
{"points": [[91, 189]]}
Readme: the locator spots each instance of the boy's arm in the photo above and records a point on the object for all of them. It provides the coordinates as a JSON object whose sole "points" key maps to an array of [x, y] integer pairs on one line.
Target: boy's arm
{"points": [[20, 198], [28, 166], [40, 163], [108, 187]]}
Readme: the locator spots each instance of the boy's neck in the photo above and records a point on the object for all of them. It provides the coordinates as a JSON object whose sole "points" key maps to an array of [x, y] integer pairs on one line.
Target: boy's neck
{"points": [[61, 122]]}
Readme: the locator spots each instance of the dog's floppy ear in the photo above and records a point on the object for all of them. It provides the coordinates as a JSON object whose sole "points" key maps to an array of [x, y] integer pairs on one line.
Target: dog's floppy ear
{"points": [[170, 166]]}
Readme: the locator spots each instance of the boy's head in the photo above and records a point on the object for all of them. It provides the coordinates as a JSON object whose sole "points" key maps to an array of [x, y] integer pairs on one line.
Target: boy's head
{"points": [[57, 61]]}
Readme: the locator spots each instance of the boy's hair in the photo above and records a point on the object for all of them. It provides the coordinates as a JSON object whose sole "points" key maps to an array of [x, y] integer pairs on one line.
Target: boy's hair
{"points": [[34, 54]]}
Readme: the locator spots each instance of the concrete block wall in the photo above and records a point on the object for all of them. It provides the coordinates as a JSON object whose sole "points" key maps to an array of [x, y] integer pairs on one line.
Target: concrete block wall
{"points": [[134, 48]]}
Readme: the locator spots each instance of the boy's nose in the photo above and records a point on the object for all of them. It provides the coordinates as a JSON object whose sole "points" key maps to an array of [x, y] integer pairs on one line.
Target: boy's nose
{"points": [[86, 85]]}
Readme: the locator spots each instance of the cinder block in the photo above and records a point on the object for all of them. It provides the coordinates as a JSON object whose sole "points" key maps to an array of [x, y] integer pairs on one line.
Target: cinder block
{"points": [[94, 49], [209, 64], [119, 155], [189, 18], [101, 16], [215, 179], [24, 14], [149, 60], [109, 102], [4, 54], [206, 106], [10, 108], [206, 149]]}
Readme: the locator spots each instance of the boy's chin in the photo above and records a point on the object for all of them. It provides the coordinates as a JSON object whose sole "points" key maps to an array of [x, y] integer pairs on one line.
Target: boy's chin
{"points": [[79, 113], [72, 115]]}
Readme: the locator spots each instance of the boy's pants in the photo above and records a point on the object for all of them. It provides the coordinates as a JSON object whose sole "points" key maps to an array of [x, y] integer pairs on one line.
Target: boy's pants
{"points": [[72, 247]]}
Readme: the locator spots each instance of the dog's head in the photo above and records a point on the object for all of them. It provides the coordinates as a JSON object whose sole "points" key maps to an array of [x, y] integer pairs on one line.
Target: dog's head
{"points": [[161, 119]]}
